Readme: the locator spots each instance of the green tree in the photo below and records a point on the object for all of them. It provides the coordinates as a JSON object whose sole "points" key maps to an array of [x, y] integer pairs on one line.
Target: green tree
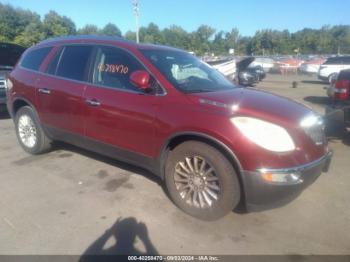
{"points": [[13, 21], [232, 38], [219, 44], [177, 36], [32, 34], [200, 39], [56, 25], [129, 35], [151, 34], [341, 37], [111, 30], [88, 30]]}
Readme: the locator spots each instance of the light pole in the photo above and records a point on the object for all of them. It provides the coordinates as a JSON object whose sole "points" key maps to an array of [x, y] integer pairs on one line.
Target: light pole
{"points": [[135, 4]]}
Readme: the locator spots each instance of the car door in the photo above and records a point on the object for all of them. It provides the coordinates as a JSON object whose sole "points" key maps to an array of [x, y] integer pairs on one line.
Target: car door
{"points": [[117, 113], [60, 90]]}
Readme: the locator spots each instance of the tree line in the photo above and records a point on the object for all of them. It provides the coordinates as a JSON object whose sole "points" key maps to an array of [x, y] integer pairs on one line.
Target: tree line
{"points": [[26, 28]]}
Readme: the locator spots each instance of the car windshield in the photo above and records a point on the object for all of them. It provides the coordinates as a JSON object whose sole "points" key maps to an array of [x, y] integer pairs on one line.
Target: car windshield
{"points": [[186, 72]]}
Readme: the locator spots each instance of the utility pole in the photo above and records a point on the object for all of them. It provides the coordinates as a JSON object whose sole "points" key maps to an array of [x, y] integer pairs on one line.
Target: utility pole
{"points": [[135, 4]]}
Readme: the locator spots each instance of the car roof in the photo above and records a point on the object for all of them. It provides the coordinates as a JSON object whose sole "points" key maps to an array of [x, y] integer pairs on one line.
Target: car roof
{"points": [[100, 39], [344, 74]]}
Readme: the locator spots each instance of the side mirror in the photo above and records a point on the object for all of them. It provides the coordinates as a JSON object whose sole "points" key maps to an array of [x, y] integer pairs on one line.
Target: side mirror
{"points": [[141, 79]]}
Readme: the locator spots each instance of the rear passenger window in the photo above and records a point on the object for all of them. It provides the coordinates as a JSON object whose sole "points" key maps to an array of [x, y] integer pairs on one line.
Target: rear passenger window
{"points": [[74, 61], [33, 59], [113, 67], [52, 67]]}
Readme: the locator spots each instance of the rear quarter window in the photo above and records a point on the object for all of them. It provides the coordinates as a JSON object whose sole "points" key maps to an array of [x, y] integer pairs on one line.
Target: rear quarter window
{"points": [[74, 61], [52, 67], [33, 59]]}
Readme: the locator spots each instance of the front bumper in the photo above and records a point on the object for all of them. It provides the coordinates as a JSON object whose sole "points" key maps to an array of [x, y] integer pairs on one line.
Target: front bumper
{"points": [[262, 195], [249, 81]]}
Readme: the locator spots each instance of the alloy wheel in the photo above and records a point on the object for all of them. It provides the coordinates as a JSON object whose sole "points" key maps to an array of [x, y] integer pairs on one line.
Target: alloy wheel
{"points": [[197, 182], [27, 131]]}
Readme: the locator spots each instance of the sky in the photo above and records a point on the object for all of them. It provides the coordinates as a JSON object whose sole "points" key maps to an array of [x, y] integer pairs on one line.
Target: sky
{"points": [[247, 15]]}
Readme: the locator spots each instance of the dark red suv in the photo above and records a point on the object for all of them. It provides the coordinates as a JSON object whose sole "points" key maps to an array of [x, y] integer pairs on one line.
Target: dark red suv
{"points": [[214, 144]]}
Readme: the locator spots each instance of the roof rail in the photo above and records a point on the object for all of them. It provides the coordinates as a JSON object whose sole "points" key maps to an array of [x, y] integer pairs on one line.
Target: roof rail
{"points": [[85, 37]]}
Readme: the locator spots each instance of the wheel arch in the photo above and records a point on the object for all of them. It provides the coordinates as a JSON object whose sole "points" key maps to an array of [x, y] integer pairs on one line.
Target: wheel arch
{"points": [[179, 138], [18, 103]]}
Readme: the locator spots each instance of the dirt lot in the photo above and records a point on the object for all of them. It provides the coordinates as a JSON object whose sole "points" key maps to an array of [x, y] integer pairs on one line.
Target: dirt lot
{"points": [[69, 202]]}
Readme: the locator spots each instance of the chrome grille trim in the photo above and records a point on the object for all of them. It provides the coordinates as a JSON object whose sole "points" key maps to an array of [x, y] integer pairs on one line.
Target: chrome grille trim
{"points": [[2, 84]]}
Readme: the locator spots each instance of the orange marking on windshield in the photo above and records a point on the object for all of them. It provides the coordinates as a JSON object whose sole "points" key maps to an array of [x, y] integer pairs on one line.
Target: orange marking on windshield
{"points": [[113, 68]]}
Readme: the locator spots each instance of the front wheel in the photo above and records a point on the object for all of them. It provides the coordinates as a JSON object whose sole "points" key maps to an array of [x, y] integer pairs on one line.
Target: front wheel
{"points": [[29, 132], [201, 181]]}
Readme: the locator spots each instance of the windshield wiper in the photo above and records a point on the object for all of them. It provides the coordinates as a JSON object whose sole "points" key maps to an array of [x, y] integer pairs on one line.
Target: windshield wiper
{"points": [[198, 91]]}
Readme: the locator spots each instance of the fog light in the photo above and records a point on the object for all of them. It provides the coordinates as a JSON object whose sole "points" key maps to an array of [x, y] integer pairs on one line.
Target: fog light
{"points": [[281, 178]]}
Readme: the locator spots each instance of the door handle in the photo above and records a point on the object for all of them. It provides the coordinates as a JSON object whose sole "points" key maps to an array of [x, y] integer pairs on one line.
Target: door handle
{"points": [[92, 102], [44, 91]]}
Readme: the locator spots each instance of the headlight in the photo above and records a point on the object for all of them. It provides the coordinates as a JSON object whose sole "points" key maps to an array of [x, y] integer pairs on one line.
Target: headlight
{"points": [[310, 121], [8, 84], [244, 75], [266, 135]]}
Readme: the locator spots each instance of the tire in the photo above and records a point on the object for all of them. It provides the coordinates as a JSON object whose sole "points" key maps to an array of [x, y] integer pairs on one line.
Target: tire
{"points": [[223, 177], [29, 132]]}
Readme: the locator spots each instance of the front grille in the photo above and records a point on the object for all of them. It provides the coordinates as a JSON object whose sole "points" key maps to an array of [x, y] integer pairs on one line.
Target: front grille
{"points": [[2, 84]]}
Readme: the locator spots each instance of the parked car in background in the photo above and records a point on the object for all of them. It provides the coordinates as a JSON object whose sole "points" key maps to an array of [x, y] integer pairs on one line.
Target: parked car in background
{"points": [[311, 66], [258, 70], [9, 54], [246, 76], [287, 65], [265, 62], [214, 144], [332, 66], [226, 66], [339, 110]]}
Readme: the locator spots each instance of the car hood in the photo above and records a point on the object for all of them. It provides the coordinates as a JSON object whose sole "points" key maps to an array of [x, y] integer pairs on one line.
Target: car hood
{"points": [[244, 63], [254, 103], [9, 54]]}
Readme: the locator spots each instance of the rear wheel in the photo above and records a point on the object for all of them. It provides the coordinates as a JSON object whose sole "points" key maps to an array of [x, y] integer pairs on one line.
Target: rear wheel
{"points": [[201, 181], [30, 133]]}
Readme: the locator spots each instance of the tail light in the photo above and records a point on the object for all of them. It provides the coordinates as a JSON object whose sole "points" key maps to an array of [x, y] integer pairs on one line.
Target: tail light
{"points": [[341, 91]]}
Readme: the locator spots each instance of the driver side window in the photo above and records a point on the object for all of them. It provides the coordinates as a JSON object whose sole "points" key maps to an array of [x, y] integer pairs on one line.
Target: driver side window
{"points": [[112, 68]]}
